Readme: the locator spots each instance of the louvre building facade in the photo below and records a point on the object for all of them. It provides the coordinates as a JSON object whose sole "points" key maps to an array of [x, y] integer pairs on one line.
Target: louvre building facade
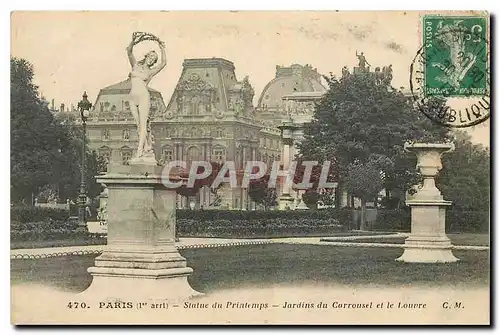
{"points": [[210, 116]]}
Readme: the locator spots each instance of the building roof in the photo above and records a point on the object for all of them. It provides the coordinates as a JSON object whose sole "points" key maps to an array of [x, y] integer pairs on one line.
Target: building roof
{"points": [[207, 63], [289, 80], [123, 87]]}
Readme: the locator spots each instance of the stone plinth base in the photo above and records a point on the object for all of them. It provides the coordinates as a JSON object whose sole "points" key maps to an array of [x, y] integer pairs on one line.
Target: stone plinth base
{"points": [[140, 284], [428, 242], [147, 159], [428, 249], [140, 261]]}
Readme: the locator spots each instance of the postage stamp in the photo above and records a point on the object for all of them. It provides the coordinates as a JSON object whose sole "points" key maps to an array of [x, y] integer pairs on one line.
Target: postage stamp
{"points": [[451, 70], [456, 52]]}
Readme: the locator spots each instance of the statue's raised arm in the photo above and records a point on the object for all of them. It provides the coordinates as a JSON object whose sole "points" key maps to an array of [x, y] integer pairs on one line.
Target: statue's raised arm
{"points": [[130, 52], [163, 61]]}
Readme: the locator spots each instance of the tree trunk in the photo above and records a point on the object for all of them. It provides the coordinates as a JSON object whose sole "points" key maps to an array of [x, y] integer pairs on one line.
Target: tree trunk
{"points": [[363, 214], [338, 196]]}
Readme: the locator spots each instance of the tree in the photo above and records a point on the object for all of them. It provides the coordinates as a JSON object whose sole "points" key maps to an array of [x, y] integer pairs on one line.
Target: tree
{"points": [[313, 194], [45, 148], [35, 137], [186, 191], [465, 177], [311, 198], [260, 192], [364, 181], [357, 118]]}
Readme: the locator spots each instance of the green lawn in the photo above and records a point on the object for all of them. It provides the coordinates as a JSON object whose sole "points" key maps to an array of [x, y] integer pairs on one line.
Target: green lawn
{"points": [[236, 267], [456, 239]]}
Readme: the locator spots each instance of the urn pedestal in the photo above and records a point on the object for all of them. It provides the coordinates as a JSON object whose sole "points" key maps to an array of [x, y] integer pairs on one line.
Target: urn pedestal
{"points": [[140, 259], [428, 242]]}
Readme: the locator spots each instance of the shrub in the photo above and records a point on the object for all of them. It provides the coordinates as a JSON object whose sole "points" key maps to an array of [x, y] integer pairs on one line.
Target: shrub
{"points": [[342, 215], [36, 214], [467, 221], [393, 220], [48, 224], [261, 223], [256, 228], [50, 235]]}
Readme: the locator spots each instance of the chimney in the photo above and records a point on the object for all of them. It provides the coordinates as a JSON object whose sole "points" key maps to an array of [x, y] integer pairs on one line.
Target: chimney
{"points": [[61, 109]]}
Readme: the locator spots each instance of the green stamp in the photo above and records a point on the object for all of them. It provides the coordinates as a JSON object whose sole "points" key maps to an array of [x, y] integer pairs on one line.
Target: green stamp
{"points": [[455, 50]]}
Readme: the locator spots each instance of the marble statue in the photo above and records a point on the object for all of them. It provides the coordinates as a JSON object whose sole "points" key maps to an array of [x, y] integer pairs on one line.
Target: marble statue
{"points": [[142, 73]]}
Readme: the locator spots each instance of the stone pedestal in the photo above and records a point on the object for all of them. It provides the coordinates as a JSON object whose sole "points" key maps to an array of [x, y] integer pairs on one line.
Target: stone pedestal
{"points": [[141, 259], [428, 242]]}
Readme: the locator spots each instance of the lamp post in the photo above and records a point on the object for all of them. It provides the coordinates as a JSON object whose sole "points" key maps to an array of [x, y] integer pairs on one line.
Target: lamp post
{"points": [[84, 106]]}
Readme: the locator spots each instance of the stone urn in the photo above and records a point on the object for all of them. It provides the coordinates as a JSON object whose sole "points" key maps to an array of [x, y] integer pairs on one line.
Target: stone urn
{"points": [[429, 164], [428, 242]]}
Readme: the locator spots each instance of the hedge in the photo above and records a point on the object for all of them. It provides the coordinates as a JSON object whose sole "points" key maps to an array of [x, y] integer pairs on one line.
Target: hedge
{"points": [[37, 214], [342, 215], [257, 228], [44, 225], [468, 221], [456, 220], [393, 220], [50, 235], [226, 223]]}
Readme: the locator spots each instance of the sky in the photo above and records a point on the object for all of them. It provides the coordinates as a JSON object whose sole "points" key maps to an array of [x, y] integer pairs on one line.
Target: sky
{"points": [[74, 52]]}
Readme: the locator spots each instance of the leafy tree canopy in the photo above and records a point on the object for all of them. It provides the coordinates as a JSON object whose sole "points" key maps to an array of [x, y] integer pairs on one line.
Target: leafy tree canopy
{"points": [[359, 121]]}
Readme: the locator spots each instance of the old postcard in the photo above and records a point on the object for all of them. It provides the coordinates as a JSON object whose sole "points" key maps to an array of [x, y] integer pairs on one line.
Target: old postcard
{"points": [[246, 167]]}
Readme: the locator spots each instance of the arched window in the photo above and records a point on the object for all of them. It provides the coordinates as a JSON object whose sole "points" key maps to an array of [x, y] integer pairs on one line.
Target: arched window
{"points": [[193, 154], [219, 133]]}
